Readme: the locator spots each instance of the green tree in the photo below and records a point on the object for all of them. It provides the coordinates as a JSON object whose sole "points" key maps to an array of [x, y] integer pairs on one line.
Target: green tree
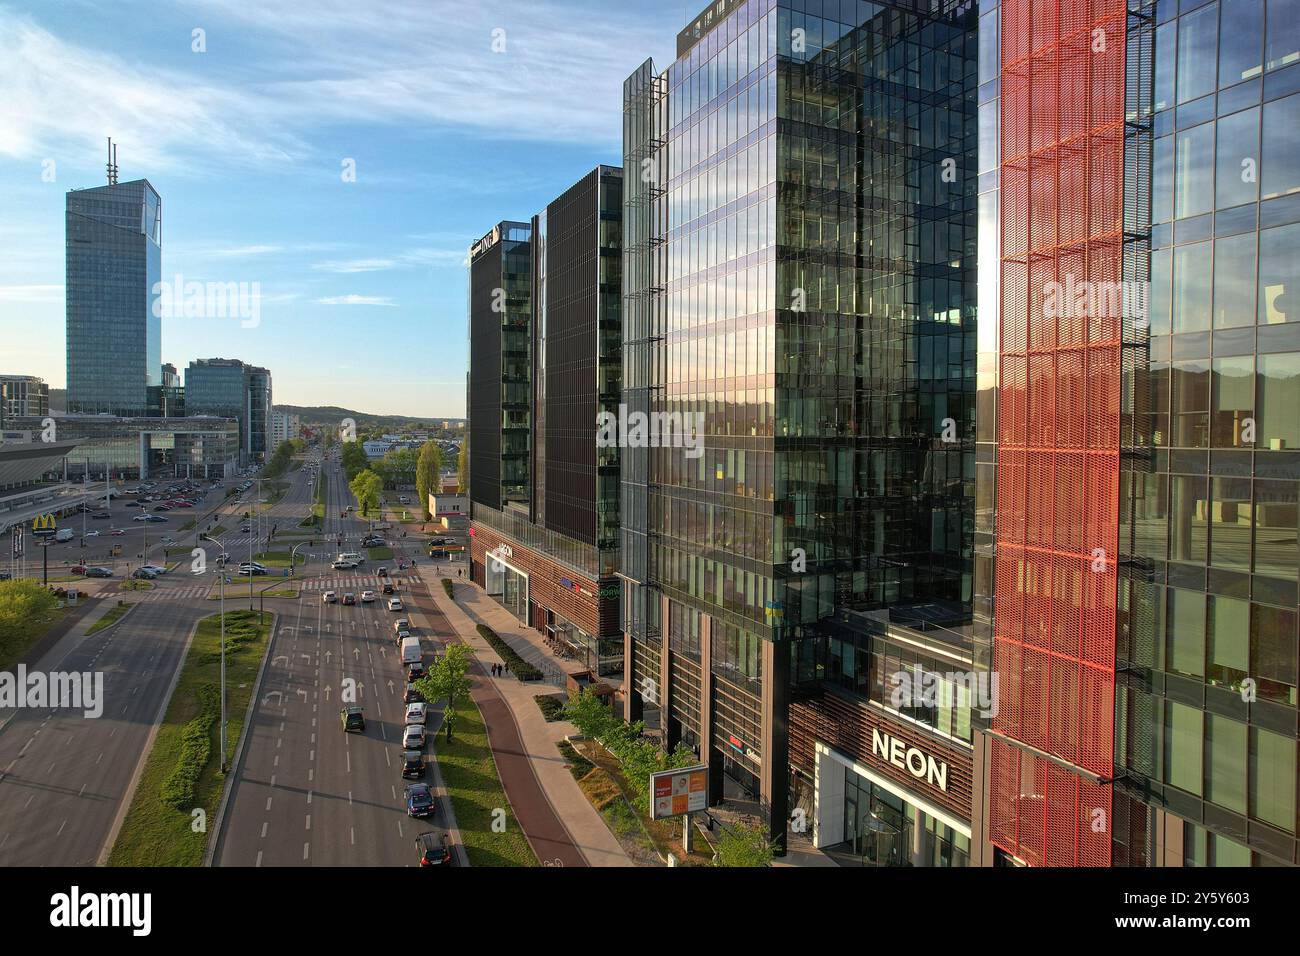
{"points": [[428, 468], [447, 680], [462, 464], [367, 487], [354, 459], [24, 605], [399, 467], [744, 845]]}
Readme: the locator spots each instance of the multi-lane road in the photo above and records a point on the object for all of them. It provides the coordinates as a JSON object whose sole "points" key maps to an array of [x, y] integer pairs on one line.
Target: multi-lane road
{"points": [[63, 775], [305, 792]]}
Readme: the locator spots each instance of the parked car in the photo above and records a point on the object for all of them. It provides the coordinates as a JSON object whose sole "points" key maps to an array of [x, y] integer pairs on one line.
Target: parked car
{"points": [[419, 801], [412, 765], [434, 849]]}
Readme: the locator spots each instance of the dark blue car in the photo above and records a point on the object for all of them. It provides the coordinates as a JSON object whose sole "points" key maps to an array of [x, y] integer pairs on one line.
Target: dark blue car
{"points": [[419, 801]]}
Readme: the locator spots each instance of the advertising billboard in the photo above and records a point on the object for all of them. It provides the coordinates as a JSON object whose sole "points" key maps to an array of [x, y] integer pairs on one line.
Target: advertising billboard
{"points": [[674, 792]]}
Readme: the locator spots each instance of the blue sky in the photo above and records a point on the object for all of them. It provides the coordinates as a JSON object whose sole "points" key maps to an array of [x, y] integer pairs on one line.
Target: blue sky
{"points": [[362, 283]]}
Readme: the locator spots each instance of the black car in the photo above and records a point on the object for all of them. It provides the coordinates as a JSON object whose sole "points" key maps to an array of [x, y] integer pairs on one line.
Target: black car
{"points": [[354, 720], [412, 765], [388, 587], [414, 672], [434, 849], [413, 696], [98, 573], [419, 801]]}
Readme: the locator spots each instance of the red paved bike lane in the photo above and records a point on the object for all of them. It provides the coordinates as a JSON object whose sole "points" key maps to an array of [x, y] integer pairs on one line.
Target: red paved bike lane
{"points": [[543, 829]]}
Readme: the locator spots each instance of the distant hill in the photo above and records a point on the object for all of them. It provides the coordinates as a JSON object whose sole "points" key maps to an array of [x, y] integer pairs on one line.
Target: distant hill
{"points": [[333, 414]]}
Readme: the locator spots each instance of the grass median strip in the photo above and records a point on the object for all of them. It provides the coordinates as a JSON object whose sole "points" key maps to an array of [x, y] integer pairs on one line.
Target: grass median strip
{"points": [[164, 826], [112, 617], [477, 796]]}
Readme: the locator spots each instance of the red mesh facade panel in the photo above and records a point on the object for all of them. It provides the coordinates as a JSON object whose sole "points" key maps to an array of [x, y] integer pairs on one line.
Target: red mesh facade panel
{"points": [[1062, 87]]}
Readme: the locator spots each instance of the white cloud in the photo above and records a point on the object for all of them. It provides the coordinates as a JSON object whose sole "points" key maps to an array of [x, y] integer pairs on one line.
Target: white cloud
{"points": [[424, 62], [31, 293], [346, 266], [356, 300]]}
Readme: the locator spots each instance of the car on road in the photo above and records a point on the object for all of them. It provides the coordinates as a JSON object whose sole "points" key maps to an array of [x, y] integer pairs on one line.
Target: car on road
{"points": [[101, 516], [117, 532], [329, 597], [414, 671], [99, 572], [367, 597], [394, 604], [412, 765], [154, 568], [400, 625], [413, 737], [155, 517], [415, 713], [354, 720], [350, 599], [388, 587], [143, 574], [91, 534], [381, 573], [245, 528], [412, 696], [372, 542], [419, 800], [223, 557], [434, 849], [342, 565], [77, 569], [245, 569], [141, 518]]}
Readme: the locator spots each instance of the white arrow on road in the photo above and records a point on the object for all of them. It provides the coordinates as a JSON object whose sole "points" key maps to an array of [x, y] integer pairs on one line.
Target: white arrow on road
{"points": [[278, 658], [278, 695], [307, 656], [390, 686], [304, 694], [328, 656], [356, 653], [327, 692]]}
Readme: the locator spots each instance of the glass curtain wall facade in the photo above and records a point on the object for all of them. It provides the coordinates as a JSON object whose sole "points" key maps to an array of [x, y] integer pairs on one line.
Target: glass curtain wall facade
{"points": [[1173, 673], [1206, 717], [800, 281], [23, 395], [113, 265], [229, 387], [500, 390]]}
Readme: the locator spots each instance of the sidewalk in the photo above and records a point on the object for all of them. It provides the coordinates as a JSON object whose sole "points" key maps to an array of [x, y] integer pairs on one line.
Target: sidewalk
{"points": [[531, 767]]}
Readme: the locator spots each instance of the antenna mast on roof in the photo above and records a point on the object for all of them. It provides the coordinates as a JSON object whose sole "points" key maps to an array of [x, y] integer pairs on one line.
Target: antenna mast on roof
{"points": [[112, 163]]}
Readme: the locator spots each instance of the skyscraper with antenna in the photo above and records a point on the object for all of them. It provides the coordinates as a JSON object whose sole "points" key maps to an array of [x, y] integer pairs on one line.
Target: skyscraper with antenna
{"points": [[113, 266]]}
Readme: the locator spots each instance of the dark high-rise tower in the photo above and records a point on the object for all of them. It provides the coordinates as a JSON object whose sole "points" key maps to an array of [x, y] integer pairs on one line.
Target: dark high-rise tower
{"points": [[114, 265]]}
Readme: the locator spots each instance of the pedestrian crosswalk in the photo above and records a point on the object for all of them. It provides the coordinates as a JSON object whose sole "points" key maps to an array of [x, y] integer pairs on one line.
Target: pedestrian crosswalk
{"points": [[239, 586]]}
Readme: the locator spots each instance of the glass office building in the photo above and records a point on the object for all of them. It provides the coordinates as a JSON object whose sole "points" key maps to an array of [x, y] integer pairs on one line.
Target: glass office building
{"points": [[23, 395], [500, 368], [545, 361], [1137, 592], [133, 449], [114, 330], [233, 389], [799, 279]]}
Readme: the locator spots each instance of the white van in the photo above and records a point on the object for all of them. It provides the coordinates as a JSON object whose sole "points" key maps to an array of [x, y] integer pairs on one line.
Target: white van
{"points": [[63, 534], [411, 651], [352, 557]]}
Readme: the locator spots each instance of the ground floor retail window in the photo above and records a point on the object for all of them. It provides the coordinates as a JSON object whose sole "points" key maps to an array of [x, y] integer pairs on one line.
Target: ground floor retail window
{"points": [[881, 828], [507, 587]]}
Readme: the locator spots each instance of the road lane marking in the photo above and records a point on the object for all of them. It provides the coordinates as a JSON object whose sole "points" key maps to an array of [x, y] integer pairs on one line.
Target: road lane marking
{"points": [[264, 827]]}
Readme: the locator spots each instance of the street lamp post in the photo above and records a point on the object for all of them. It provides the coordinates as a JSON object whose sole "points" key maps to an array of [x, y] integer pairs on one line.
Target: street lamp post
{"points": [[221, 590]]}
